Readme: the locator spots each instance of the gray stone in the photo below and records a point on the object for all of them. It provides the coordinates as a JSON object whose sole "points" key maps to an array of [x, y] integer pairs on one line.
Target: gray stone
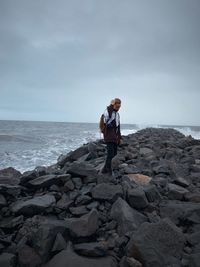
{"points": [[145, 151], [3, 201], [77, 211], [7, 260], [129, 262], [27, 257], [44, 181], [180, 211], [92, 249], [176, 191], [74, 260], [106, 191], [10, 176], [137, 198], [59, 243], [44, 238], [82, 170], [157, 244], [10, 222], [77, 181], [181, 181], [72, 155], [34, 205], [84, 226], [194, 260], [68, 186], [12, 190], [152, 193], [128, 219]]}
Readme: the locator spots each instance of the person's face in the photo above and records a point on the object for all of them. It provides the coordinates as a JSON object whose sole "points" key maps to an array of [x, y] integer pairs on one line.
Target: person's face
{"points": [[117, 105]]}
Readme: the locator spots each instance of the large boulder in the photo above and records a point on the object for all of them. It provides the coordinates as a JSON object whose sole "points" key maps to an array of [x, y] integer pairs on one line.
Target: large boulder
{"points": [[180, 211], [34, 205], [84, 226], [46, 238], [128, 219], [45, 181], [157, 244], [72, 155], [81, 169], [11, 190], [105, 191], [27, 257], [71, 259], [10, 176]]}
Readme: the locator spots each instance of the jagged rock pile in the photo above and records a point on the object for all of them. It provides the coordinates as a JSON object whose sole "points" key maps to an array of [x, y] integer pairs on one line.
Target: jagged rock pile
{"points": [[69, 214]]}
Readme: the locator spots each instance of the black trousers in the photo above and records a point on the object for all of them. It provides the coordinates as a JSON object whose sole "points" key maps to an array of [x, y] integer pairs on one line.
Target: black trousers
{"points": [[111, 152]]}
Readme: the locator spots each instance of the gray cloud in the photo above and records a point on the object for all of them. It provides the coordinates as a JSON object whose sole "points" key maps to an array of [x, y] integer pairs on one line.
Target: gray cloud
{"points": [[58, 57]]}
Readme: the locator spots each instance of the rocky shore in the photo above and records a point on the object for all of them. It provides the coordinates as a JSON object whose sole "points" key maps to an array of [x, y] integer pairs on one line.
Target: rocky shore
{"points": [[70, 215]]}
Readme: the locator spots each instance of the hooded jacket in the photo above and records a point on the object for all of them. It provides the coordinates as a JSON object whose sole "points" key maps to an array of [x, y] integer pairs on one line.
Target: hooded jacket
{"points": [[112, 132]]}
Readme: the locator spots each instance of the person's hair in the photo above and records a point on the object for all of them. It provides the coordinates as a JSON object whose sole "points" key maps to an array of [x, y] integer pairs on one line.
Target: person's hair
{"points": [[113, 101]]}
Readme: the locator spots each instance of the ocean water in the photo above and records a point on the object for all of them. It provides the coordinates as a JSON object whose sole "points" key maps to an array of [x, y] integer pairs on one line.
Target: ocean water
{"points": [[27, 144]]}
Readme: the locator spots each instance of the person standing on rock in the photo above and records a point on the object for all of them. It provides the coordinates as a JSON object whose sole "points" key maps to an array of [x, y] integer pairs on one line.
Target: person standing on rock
{"points": [[110, 127]]}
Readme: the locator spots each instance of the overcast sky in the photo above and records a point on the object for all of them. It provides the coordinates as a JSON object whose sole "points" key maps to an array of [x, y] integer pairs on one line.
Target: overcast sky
{"points": [[65, 60]]}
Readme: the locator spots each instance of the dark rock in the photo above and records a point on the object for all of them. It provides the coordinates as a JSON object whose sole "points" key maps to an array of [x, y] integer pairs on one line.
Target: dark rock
{"points": [[7, 260], [192, 197], [74, 260], [93, 249], [44, 181], [194, 240], [68, 186], [181, 181], [82, 170], [72, 155], [176, 191], [83, 200], [84, 226], [27, 257], [152, 194], [180, 211], [137, 198], [106, 191], [194, 260], [3, 201], [157, 244], [129, 262], [12, 190], [34, 205], [10, 176], [10, 222], [59, 243], [128, 219], [77, 182], [64, 202], [145, 151], [81, 210], [28, 176], [93, 205], [45, 236], [162, 168]]}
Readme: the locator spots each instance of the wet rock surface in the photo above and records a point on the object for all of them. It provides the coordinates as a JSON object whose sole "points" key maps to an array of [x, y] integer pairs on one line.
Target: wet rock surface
{"points": [[69, 214]]}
